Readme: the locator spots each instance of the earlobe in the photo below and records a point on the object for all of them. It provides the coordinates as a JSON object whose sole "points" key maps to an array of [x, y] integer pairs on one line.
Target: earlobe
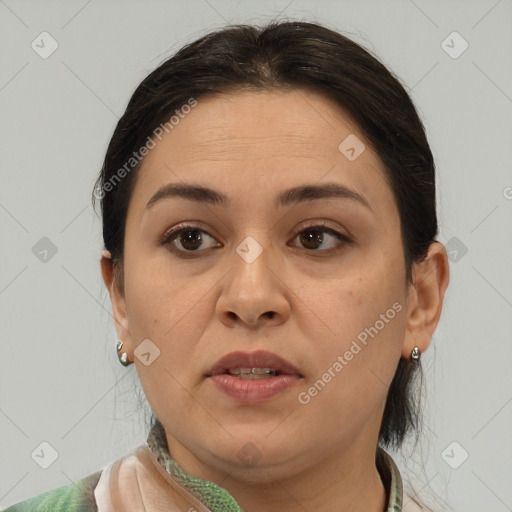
{"points": [[425, 301], [117, 299]]}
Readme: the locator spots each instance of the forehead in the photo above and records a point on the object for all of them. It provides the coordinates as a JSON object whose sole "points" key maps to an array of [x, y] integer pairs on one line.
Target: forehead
{"points": [[254, 121], [261, 140]]}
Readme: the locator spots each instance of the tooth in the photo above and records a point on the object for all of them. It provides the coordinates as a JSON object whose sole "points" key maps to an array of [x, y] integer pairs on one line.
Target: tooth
{"points": [[260, 371], [252, 373]]}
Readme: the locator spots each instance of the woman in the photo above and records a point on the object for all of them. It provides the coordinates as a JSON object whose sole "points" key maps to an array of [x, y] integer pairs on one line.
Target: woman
{"points": [[269, 221]]}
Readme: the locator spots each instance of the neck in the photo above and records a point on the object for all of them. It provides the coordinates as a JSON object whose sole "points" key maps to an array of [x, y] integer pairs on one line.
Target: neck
{"points": [[331, 485], [346, 480]]}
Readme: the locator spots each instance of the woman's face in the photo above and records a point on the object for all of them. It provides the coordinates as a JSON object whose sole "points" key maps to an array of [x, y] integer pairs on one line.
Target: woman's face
{"points": [[314, 277]]}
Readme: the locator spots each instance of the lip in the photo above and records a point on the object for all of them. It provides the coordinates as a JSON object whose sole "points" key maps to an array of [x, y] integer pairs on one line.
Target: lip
{"points": [[258, 359], [253, 390]]}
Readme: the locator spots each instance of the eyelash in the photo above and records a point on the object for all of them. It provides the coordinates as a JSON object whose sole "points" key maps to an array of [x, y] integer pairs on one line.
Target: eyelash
{"points": [[175, 232]]}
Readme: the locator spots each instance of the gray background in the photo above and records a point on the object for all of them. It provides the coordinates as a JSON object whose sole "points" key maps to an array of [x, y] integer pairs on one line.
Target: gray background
{"points": [[60, 379]]}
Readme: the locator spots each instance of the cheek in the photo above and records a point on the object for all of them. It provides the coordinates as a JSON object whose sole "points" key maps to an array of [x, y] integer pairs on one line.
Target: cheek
{"points": [[160, 302], [362, 317], [173, 312], [356, 356]]}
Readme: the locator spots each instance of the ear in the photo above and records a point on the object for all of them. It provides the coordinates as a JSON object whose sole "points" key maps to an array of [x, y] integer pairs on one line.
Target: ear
{"points": [[118, 300], [425, 299]]}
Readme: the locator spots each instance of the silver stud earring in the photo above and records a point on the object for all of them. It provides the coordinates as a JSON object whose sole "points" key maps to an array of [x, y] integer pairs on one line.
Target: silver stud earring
{"points": [[123, 358], [415, 354]]}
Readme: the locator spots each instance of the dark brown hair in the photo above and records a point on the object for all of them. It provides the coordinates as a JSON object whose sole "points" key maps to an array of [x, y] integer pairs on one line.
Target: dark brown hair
{"points": [[296, 55]]}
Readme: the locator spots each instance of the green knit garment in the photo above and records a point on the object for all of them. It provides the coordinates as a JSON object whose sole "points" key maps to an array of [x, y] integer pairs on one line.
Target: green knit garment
{"points": [[214, 497]]}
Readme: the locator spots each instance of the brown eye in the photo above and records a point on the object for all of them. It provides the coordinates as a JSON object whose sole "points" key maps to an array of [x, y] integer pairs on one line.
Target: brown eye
{"points": [[319, 237], [188, 239], [311, 238]]}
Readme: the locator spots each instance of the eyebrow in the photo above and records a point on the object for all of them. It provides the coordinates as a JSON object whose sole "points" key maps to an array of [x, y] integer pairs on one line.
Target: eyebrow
{"points": [[293, 195]]}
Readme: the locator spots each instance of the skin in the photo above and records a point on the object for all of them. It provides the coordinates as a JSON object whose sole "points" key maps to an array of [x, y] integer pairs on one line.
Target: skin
{"points": [[250, 146]]}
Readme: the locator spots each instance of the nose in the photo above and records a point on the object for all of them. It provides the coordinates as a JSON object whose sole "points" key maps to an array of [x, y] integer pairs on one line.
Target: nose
{"points": [[253, 294]]}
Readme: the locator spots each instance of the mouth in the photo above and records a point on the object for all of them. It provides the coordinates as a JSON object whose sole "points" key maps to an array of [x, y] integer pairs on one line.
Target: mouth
{"points": [[254, 377], [253, 365]]}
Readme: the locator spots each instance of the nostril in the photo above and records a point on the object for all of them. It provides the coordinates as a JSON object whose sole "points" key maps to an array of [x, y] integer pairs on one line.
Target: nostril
{"points": [[270, 314]]}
